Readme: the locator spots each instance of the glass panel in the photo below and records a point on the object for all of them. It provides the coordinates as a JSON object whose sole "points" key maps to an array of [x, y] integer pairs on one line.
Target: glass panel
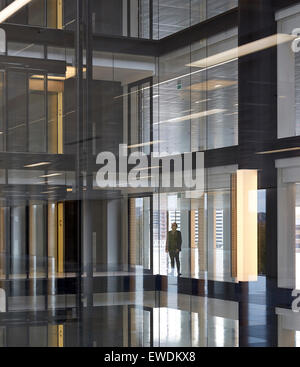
{"points": [[42, 13], [140, 118], [2, 110], [18, 242], [37, 114], [37, 240], [288, 79], [140, 327], [25, 50], [17, 112], [140, 232], [36, 13]]}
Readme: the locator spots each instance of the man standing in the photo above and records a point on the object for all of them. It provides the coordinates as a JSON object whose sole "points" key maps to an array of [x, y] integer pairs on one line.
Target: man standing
{"points": [[173, 247]]}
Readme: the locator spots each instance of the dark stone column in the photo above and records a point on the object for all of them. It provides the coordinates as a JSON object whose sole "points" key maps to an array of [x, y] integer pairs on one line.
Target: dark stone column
{"points": [[257, 132]]}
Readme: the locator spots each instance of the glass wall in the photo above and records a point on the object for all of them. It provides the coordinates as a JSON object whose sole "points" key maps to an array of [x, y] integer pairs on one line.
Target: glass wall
{"points": [[131, 18], [155, 19], [68, 242], [288, 73], [42, 13], [197, 98], [167, 105]]}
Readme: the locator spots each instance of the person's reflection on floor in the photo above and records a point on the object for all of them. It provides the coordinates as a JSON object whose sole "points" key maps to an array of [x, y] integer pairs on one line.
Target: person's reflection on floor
{"points": [[173, 247]]}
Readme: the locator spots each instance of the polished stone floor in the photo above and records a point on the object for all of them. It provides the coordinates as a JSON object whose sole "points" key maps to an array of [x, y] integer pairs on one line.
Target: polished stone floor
{"points": [[146, 310], [124, 319], [145, 319]]}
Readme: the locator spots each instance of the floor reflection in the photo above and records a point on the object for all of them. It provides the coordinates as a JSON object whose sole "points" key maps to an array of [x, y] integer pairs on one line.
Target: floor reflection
{"points": [[156, 319], [152, 319]]}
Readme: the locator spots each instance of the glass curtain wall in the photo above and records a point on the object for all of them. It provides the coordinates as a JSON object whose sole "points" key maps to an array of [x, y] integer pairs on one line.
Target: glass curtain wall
{"points": [[166, 105], [155, 19], [288, 74], [60, 108], [196, 109], [42, 13], [37, 177]]}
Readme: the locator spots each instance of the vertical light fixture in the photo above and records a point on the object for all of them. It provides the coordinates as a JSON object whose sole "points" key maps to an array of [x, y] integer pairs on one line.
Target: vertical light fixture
{"points": [[60, 130], [59, 21], [244, 225], [12, 8], [60, 245]]}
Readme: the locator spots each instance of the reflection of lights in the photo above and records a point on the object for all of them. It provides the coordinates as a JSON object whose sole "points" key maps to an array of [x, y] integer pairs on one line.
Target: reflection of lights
{"points": [[51, 175], [279, 150], [168, 322], [203, 100], [146, 168], [145, 177], [70, 73], [219, 331], [192, 116], [210, 85], [247, 49], [177, 77], [37, 164], [231, 114], [146, 144]]}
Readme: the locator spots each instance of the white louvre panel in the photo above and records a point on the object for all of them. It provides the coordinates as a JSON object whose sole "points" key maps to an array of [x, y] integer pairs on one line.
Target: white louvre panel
{"points": [[290, 169], [196, 227], [159, 225], [219, 228], [174, 216], [2, 300]]}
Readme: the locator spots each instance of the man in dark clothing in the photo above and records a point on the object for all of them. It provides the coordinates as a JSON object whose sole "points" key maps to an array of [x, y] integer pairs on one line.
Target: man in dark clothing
{"points": [[173, 247]]}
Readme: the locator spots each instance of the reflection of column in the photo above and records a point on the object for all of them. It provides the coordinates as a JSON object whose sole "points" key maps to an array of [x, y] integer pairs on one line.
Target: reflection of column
{"points": [[124, 18], [193, 243], [286, 338], [88, 244], [124, 236], [132, 234], [3, 214], [125, 326], [52, 239], [134, 18], [226, 236], [211, 235], [18, 240], [286, 91], [146, 233], [288, 327], [52, 255], [199, 323], [185, 250], [60, 245], [36, 239], [202, 251], [286, 234]]}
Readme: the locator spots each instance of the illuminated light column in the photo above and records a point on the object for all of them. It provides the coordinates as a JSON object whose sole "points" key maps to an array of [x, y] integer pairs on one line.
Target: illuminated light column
{"points": [[244, 225]]}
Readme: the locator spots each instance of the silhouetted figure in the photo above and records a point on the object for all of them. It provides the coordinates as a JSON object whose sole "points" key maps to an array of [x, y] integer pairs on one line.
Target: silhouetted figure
{"points": [[173, 247]]}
